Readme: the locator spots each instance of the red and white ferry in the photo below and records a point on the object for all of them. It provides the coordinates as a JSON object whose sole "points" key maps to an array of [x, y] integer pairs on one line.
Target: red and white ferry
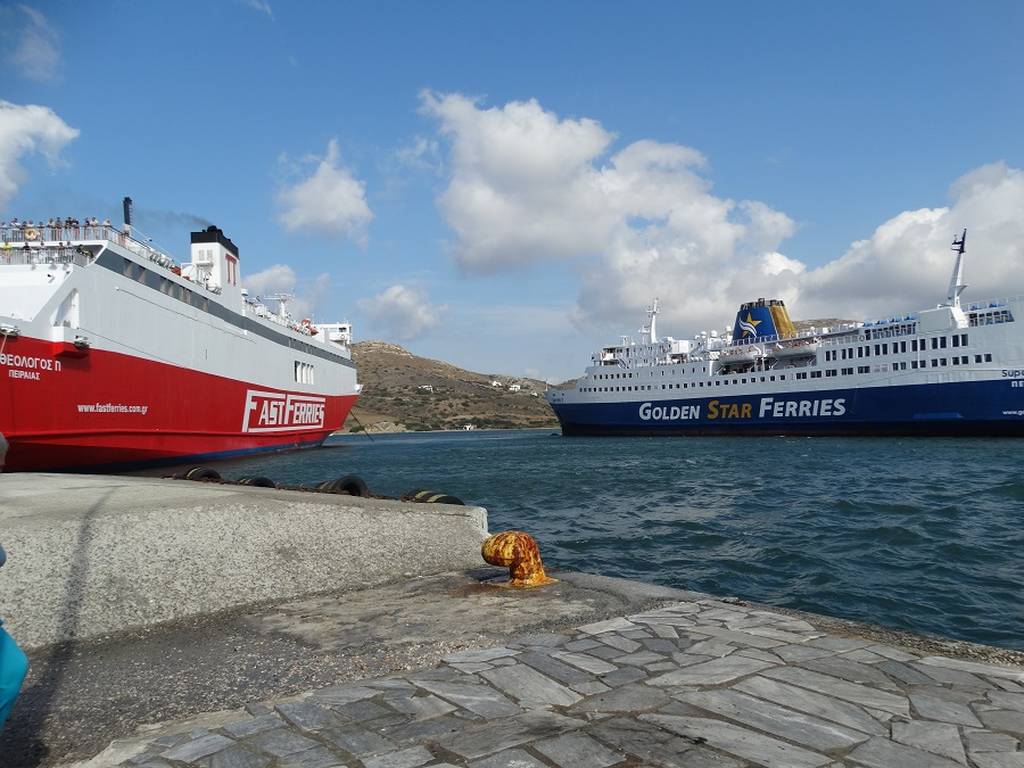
{"points": [[112, 355]]}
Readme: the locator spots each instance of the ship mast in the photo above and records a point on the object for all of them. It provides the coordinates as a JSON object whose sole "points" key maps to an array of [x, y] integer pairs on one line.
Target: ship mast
{"points": [[651, 329], [956, 280]]}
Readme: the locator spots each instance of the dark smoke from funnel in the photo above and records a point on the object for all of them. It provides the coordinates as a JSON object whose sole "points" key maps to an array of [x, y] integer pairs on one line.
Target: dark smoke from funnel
{"points": [[153, 218]]}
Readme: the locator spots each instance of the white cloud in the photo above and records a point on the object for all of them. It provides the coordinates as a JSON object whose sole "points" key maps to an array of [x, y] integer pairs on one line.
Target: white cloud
{"points": [[523, 187], [307, 303], [422, 154], [528, 186], [25, 130], [34, 50], [906, 263], [404, 313], [281, 279], [261, 6], [330, 201]]}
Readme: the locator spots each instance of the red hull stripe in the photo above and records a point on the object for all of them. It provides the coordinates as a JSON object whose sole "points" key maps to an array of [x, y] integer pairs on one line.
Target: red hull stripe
{"points": [[105, 409]]}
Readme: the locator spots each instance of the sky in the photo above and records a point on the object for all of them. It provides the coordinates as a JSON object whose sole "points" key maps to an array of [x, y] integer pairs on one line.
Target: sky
{"points": [[507, 185]]}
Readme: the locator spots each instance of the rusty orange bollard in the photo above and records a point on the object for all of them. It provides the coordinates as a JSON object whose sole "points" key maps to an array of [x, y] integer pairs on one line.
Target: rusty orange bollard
{"points": [[517, 551]]}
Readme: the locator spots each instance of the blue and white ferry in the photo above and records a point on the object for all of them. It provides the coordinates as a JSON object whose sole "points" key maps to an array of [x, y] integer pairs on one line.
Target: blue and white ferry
{"points": [[954, 369]]}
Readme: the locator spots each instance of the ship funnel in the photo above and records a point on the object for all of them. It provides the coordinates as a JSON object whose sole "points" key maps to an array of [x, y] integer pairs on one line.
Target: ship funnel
{"points": [[764, 318], [127, 203]]}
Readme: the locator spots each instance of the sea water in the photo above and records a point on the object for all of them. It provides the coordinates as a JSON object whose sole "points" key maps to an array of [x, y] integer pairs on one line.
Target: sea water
{"points": [[924, 534]]}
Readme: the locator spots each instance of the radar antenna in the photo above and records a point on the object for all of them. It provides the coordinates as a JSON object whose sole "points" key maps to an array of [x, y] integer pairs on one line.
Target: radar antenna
{"points": [[282, 300], [956, 280]]}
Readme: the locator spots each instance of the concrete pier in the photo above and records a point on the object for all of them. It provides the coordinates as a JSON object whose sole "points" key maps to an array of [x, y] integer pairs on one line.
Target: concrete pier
{"points": [[452, 670], [449, 671], [90, 554]]}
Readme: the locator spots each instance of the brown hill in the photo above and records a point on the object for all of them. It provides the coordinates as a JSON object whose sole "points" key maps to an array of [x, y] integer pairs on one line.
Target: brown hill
{"points": [[403, 391]]}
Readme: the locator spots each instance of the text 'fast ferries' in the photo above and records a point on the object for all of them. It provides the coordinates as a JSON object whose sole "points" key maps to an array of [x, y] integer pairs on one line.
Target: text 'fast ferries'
{"points": [[766, 408], [280, 412]]}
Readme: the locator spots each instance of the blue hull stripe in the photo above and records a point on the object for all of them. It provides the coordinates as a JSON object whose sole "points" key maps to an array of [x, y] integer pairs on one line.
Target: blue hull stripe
{"points": [[961, 408]]}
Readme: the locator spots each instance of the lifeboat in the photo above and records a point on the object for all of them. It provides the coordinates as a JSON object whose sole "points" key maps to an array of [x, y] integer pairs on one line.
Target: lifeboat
{"points": [[741, 353], [796, 348]]}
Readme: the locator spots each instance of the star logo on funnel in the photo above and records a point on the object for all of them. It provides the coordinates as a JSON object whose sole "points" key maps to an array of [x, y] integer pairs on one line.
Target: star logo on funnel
{"points": [[749, 325]]}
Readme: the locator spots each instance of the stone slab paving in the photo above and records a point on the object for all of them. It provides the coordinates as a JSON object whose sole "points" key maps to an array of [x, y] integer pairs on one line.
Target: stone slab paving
{"points": [[695, 684]]}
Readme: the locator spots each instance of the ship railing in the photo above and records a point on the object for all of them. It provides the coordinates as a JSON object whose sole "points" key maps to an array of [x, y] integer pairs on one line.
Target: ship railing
{"points": [[985, 304], [50, 236], [263, 312], [753, 340], [49, 256], [47, 233]]}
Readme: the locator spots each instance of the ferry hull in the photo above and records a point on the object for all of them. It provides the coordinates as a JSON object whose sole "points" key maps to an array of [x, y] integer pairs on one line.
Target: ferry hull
{"points": [[984, 408], [62, 408]]}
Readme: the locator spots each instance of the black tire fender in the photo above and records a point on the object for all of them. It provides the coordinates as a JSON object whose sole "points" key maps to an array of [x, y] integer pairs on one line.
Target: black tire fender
{"points": [[423, 496], [353, 485], [202, 473]]}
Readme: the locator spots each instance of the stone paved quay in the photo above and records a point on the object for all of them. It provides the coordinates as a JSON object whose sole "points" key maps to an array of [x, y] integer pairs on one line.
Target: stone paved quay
{"points": [[695, 682]]}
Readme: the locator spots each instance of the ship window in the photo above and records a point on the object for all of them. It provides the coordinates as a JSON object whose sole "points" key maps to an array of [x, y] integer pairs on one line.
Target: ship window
{"points": [[303, 373], [963, 339], [863, 369], [885, 349], [956, 341], [942, 362], [935, 342], [815, 374], [903, 346], [977, 358], [942, 342], [935, 362], [988, 357]]}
